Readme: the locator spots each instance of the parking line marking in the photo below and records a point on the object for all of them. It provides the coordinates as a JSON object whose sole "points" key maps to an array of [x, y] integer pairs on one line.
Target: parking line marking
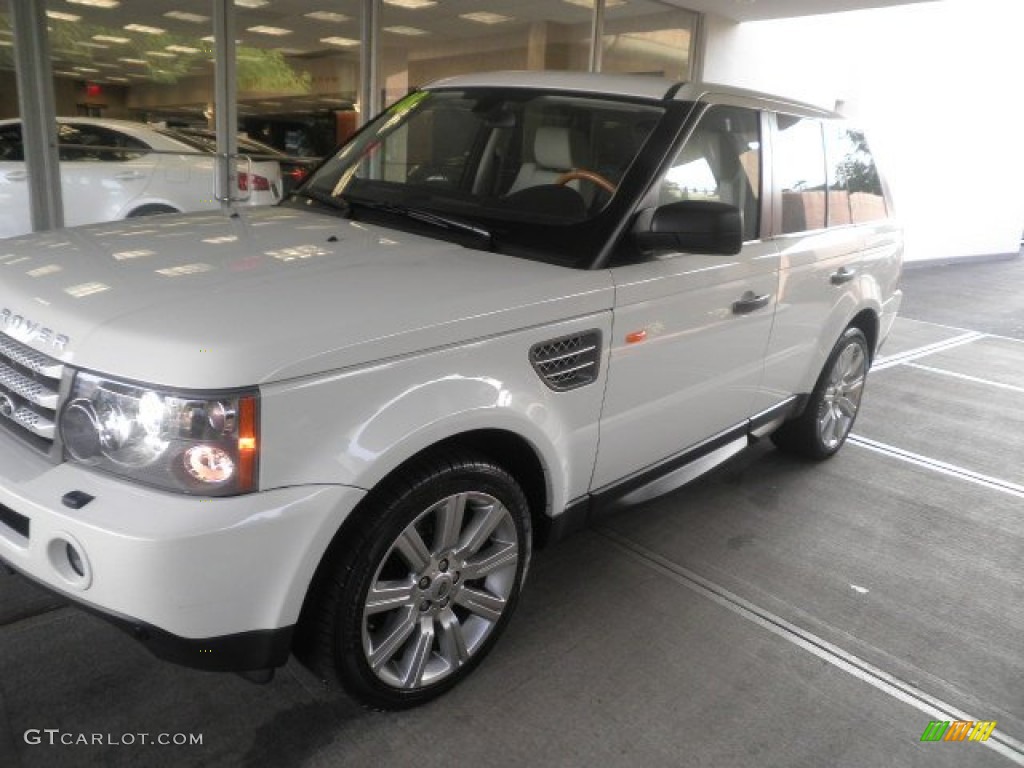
{"points": [[966, 377], [937, 325], [929, 349], [901, 690], [986, 481], [962, 330]]}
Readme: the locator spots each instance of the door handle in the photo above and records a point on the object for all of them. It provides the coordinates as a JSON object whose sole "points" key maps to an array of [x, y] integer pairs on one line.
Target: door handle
{"points": [[750, 302], [843, 275], [129, 175], [17, 176]]}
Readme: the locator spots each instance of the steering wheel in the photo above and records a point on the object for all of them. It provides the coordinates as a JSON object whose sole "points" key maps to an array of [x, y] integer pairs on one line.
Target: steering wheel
{"points": [[584, 175]]}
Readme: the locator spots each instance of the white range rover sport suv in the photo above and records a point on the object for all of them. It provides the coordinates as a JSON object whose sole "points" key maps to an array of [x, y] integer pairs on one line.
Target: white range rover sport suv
{"points": [[337, 427]]}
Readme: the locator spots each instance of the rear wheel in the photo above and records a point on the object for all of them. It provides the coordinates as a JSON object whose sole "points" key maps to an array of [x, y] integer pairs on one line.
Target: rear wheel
{"points": [[821, 430], [408, 608]]}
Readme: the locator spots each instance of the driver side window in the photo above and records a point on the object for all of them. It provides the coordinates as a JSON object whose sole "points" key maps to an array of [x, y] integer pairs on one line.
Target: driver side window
{"points": [[721, 161]]}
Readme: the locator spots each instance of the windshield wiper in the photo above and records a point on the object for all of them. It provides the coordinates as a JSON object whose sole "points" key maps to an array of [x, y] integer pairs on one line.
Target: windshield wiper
{"points": [[426, 217]]}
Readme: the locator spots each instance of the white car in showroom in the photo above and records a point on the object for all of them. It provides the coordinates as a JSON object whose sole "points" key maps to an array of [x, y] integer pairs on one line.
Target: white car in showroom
{"points": [[337, 427], [116, 169]]}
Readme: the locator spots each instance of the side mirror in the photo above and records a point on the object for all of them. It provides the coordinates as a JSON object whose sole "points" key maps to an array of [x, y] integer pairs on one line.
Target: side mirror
{"points": [[691, 226]]}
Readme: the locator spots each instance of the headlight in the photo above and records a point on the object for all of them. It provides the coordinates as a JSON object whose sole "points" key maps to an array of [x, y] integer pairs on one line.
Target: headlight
{"points": [[202, 443]]}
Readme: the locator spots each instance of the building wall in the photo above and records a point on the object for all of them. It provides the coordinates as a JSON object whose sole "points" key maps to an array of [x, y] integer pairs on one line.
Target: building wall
{"points": [[936, 85]]}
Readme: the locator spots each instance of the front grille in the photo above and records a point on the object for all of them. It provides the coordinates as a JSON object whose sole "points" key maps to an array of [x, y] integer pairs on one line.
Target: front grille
{"points": [[29, 393], [569, 361]]}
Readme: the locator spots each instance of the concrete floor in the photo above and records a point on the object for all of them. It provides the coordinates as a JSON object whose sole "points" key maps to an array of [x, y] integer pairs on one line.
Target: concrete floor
{"points": [[774, 613]]}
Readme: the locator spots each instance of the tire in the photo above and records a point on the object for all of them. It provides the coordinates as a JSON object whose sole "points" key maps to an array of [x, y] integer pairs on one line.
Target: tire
{"points": [[415, 597], [820, 431], [151, 210]]}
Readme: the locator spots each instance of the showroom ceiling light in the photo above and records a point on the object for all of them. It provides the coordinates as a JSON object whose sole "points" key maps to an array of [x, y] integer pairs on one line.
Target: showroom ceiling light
{"points": [[143, 28], [342, 42], [264, 30], [86, 289], [134, 61], [408, 31], [97, 3], [112, 39], [195, 18], [590, 3], [184, 269], [85, 69], [251, 3], [160, 54], [60, 16], [327, 16], [413, 5], [485, 17], [182, 49]]}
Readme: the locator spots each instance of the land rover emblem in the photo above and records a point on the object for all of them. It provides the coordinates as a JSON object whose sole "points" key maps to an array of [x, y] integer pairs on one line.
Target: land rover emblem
{"points": [[6, 405], [23, 329]]}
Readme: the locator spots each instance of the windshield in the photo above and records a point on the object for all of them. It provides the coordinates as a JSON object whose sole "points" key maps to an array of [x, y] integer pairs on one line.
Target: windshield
{"points": [[504, 159]]}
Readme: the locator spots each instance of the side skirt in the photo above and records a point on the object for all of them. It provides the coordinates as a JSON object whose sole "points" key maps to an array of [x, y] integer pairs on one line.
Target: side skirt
{"points": [[669, 474]]}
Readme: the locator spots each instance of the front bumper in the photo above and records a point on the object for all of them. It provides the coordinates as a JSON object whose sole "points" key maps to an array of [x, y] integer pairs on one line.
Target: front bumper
{"points": [[210, 583]]}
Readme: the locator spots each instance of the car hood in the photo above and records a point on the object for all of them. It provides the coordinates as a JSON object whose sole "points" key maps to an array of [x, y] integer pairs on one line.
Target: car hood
{"points": [[213, 300]]}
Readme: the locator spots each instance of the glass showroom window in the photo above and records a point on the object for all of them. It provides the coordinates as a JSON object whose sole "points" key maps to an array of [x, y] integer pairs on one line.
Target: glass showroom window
{"points": [[119, 70], [298, 74], [8, 84], [423, 40], [647, 37], [14, 215]]}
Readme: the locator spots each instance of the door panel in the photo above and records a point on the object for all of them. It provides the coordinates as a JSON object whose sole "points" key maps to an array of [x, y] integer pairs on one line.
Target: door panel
{"points": [[102, 172], [690, 331], [825, 274], [698, 369], [813, 287]]}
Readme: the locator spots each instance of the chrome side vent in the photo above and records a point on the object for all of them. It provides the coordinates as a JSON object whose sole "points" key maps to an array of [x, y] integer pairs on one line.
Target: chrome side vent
{"points": [[568, 362], [29, 393]]}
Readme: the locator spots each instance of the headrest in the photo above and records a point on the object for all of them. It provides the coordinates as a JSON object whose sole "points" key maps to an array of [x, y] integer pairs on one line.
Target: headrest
{"points": [[552, 148]]}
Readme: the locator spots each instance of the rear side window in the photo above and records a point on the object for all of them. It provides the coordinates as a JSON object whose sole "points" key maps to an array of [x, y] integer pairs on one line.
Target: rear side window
{"points": [[800, 173], [721, 161], [84, 142], [854, 187]]}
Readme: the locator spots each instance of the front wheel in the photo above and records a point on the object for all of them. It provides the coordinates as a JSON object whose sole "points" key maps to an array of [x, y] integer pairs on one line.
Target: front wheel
{"points": [[413, 604], [821, 430]]}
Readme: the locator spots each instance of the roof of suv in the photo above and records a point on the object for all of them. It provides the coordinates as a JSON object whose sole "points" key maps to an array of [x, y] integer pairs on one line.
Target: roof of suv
{"points": [[644, 86], [641, 86]]}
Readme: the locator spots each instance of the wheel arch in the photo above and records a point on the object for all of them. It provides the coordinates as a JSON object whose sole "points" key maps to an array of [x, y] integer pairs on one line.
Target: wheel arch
{"points": [[510, 450], [867, 320], [150, 208], [513, 452]]}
